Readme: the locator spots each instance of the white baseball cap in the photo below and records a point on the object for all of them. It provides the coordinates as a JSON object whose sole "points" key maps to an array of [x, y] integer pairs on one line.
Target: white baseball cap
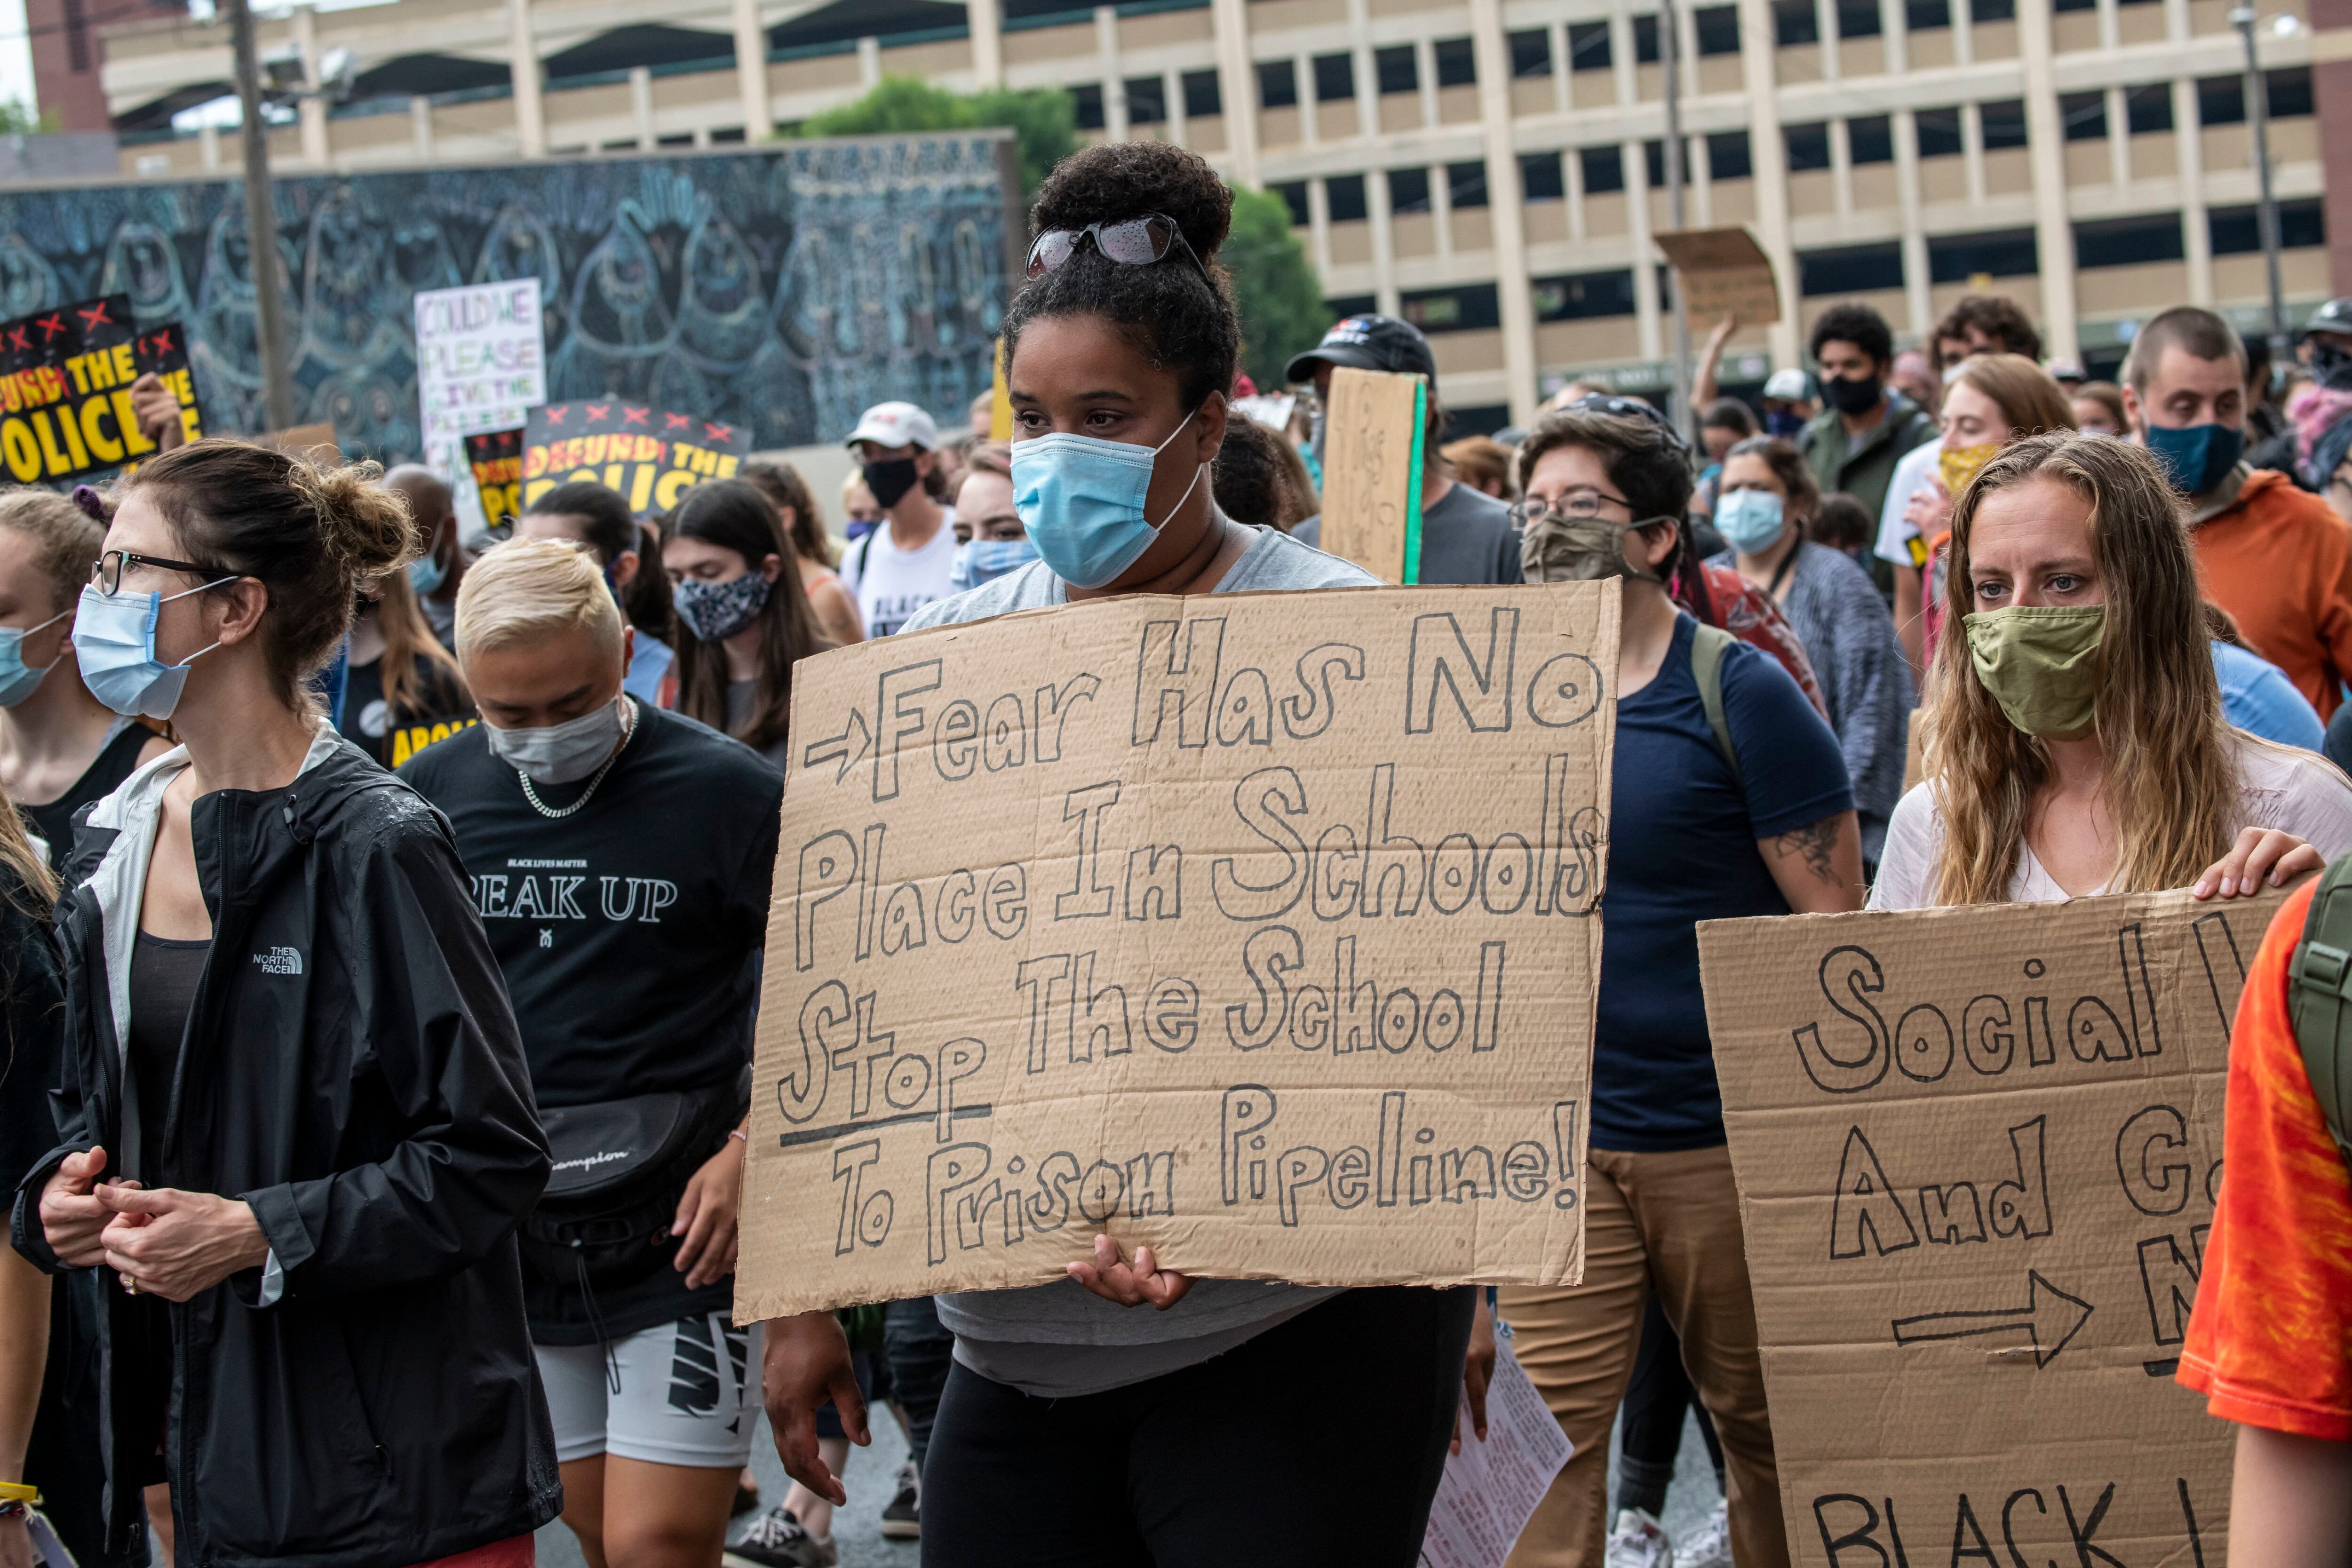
{"points": [[896, 425], [1787, 386]]}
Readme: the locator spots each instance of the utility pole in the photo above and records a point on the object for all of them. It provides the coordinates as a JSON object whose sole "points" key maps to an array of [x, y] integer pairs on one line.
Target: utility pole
{"points": [[2258, 115], [260, 224], [1669, 58]]}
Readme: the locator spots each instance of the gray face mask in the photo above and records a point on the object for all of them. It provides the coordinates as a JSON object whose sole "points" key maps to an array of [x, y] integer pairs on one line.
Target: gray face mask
{"points": [[559, 753]]}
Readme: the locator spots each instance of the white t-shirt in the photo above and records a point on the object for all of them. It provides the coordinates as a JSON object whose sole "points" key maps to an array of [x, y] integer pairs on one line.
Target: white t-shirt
{"points": [[1912, 471], [2293, 791], [890, 583]]}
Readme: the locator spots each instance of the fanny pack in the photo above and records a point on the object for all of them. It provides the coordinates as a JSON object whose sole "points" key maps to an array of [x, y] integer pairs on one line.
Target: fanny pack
{"points": [[621, 1166]]}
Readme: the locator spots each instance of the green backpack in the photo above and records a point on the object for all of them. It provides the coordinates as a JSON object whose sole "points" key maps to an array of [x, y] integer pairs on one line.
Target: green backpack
{"points": [[2319, 987]]}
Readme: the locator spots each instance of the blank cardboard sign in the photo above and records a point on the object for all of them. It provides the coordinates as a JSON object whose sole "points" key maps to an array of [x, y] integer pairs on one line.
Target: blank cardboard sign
{"points": [[1977, 1151], [1372, 453], [1723, 273], [1259, 928]]}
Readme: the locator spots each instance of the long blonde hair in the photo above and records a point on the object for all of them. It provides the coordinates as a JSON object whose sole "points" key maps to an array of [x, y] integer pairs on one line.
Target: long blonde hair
{"points": [[18, 856], [2172, 779], [410, 647]]}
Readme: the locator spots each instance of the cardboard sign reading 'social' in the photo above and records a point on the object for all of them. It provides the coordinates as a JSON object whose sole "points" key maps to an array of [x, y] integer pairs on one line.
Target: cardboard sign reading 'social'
{"points": [[650, 454], [1261, 929], [495, 460], [1977, 1151], [65, 376]]}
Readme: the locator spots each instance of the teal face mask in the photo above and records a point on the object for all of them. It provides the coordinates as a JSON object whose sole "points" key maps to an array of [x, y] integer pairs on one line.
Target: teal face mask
{"points": [[1749, 521]]}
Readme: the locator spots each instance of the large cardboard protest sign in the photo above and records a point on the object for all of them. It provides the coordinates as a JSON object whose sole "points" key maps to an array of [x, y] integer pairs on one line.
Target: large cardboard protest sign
{"points": [[65, 376], [1374, 434], [1977, 1151], [650, 454], [1261, 928]]}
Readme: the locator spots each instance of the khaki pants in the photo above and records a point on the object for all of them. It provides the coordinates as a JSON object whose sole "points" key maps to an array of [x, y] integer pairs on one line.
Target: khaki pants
{"points": [[1668, 1223]]}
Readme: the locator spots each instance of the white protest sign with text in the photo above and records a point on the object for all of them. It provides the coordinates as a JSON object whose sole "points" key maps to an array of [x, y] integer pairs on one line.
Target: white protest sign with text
{"points": [[481, 364], [1260, 928], [1977, 1151]]}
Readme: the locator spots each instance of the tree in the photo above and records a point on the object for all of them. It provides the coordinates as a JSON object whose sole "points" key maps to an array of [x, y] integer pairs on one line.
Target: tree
{"points": [[1043, 121], [1281, 299], [18, 118]]}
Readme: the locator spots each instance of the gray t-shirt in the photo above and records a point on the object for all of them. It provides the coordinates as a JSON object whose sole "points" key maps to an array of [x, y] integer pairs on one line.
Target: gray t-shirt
{"points": [[1465, 538], [742, 697], [1061, 1341]]}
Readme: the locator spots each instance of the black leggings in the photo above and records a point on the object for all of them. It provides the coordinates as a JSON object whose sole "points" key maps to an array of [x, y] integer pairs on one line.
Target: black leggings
{"points": [[1319, 1441], [1650, 1435]]}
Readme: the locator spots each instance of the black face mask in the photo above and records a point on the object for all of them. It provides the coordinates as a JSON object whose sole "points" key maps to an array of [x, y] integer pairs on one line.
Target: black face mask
{"points": [[889, 480], [2331, 366], [1855, 396]]}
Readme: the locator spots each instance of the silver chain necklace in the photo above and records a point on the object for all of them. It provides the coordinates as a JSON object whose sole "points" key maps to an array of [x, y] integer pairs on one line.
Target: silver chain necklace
{"points": [[541, 806]]}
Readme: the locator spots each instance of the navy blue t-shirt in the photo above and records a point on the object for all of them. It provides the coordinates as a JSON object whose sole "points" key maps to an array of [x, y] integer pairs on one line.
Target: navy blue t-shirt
{"points": [[1682, 850]]}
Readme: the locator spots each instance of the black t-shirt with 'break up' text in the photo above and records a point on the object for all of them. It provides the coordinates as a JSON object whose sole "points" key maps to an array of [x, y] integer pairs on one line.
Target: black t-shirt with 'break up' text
{"points": [[629, 933]]}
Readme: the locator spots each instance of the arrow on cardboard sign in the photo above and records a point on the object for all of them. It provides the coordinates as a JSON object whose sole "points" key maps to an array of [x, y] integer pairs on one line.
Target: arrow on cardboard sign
{"points": [[851, 746], [2051, 1318]]}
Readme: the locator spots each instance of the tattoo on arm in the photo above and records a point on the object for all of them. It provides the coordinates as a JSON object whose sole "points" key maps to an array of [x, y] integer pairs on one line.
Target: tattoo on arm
{"points": [[1817, 842]]}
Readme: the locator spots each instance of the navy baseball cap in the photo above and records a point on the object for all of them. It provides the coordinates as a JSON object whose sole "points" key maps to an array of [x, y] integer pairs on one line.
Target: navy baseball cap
{"points": [[1367, 342]]}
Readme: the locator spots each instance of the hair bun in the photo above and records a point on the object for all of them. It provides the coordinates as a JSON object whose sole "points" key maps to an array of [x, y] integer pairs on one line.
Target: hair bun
{"points": [[364, 526], [1123, 179]]}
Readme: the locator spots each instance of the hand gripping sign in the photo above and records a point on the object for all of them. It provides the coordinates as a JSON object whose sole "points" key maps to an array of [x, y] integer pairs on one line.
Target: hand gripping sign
{"points": [[1977, 1151], [1261, 929]]}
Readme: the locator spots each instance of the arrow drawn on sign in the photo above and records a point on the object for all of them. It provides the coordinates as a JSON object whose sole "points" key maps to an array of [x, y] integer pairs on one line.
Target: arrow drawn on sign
{"points": [[851, 746], [2051, 1318]]}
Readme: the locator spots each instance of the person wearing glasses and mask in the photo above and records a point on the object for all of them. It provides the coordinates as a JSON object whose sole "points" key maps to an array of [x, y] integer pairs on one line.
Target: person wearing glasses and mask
{"points": [[621, 855], [298, 1129], [1748, 813], [908, 560], [1139, 1390]]}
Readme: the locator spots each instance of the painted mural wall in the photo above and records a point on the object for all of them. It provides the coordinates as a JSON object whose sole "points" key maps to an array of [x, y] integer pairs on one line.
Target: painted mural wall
{"points": [[782, 289]]}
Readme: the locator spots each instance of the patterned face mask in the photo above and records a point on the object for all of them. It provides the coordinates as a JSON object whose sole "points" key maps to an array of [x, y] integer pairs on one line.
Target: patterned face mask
{"points": [[1959, 465], [714, 612]]}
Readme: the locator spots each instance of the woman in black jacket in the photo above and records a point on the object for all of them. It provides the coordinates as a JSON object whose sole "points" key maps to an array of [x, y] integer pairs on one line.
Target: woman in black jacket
{"points": [[295, 1107]]}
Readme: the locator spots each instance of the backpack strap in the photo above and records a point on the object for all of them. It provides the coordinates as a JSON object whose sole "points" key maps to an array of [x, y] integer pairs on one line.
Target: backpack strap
{"points": [[2319, 983], [1708, 647]]}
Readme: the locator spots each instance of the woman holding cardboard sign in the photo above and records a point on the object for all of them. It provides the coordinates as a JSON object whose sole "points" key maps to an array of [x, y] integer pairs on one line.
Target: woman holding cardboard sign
{"points": [[2075, 743], [1137, 1395]]}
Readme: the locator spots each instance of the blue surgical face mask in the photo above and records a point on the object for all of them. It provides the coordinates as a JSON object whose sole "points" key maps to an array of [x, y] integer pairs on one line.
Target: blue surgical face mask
{"points": [[426, 573], [1081, 499], [114, 642], [981, 561], [1749, 521], [18, 679], [2196, 457], [1785, 422]]}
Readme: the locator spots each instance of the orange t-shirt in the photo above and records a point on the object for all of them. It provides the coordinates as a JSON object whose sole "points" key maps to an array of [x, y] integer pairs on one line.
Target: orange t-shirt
{"points": [[2270, 1343], [2280, 561]]}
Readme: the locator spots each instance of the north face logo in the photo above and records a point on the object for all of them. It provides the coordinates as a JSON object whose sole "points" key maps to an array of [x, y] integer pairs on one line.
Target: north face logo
{"points": [[279, 960]]}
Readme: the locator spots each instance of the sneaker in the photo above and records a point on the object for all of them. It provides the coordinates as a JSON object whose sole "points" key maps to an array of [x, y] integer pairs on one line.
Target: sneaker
{"points": [[1709, 1546], [777, 1540], [903, 1519], [1639, 1541]]}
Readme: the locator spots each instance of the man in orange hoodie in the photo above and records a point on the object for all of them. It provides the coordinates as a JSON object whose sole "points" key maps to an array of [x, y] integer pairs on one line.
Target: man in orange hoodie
{"points": [[2278, 559]]}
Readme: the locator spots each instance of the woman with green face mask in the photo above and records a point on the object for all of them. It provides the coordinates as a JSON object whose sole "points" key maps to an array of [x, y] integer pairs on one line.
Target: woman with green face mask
{"points": [[2075, 739]]}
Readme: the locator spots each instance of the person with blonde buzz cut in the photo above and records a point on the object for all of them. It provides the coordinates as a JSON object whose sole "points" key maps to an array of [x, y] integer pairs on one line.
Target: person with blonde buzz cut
{"points": [[620, 855]]}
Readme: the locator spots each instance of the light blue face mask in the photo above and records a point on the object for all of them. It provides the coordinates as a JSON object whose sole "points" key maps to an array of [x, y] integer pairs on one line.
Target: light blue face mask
{"points": [[18, 679], [982, 561], [1749, 521], [1081, 499], [114, 640], [426, 573]]}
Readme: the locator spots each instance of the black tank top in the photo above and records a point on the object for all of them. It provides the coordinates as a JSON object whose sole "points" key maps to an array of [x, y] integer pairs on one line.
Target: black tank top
{"points": [[162, 985], [115, 762]]}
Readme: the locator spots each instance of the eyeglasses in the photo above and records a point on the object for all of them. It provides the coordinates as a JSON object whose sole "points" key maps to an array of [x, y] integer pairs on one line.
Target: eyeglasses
{"points": [[106, 572], [1138, 241], [1604, 403], [1580, 504]]}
